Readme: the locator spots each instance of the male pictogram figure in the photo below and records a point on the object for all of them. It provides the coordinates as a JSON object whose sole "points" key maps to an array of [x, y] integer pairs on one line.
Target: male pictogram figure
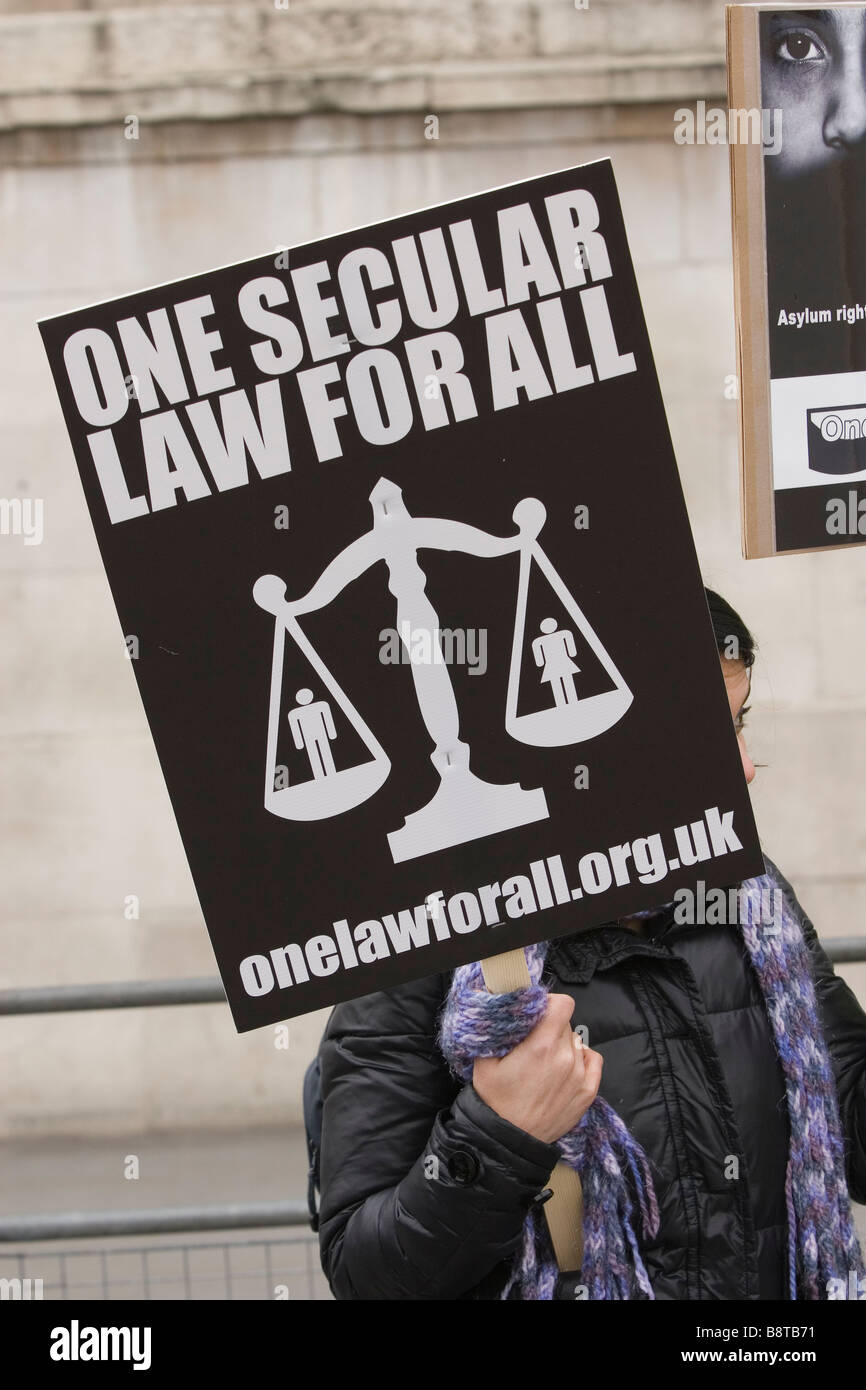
{"points": [[554, 651], [312, 727]]}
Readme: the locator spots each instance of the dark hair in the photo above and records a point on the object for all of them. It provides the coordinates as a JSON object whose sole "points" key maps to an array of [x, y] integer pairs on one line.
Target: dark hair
{"points": [[733, 638]]}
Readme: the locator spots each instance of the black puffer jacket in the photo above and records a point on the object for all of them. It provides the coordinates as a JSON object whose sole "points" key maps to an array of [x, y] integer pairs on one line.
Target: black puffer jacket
{"points": [[690, 1066]]}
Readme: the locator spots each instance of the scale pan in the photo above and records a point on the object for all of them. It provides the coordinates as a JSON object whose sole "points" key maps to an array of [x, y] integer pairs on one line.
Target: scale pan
{"points": [[551, 728], [329, 796]]}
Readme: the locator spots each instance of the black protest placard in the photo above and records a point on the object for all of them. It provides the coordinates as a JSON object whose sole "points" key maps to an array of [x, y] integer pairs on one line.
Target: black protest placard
{"points": [[395, 534], [797, 85], [815, 215]]}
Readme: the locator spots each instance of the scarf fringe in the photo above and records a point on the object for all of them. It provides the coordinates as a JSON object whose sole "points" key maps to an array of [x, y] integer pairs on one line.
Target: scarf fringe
{"points": [[614, 1169]]}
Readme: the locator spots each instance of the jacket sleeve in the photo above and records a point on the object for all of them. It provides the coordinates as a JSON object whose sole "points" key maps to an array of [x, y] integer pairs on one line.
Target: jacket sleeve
{"points": [[424, 1188], [844, 1024]]}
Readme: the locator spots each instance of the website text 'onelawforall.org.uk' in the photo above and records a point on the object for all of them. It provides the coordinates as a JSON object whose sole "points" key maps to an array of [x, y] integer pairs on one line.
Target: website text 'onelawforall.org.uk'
{"points": [[546, 884]]}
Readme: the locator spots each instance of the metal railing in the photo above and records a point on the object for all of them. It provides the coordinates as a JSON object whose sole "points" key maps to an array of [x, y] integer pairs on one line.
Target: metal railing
{"points": [[117, 994], [267, 1268], [137, 994], [270, 1268], [285, 1268], [845, 950], [73, 1225]]}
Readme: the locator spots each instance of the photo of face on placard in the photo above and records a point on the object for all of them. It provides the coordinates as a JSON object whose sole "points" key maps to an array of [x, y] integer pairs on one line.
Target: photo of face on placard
{"points": [[813, 72]]}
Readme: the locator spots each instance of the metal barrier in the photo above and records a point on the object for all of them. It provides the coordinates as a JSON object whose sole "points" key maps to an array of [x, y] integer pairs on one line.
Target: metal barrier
{"points": [[136, 994], [275, 1269], [284, 1268], [124, 994], [845, 950], [155, 1221], [270, 1268]]}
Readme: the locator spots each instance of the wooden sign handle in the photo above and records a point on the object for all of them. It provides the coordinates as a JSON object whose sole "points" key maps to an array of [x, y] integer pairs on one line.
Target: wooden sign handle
{"points": [[564, 1210]]}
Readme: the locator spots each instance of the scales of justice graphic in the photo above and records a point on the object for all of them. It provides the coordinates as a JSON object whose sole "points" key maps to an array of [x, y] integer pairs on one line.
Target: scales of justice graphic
{"points": [[464, 807]]}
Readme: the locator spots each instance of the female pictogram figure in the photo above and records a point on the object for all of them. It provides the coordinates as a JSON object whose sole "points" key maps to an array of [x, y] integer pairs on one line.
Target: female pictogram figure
{"points": [[312, 727], [553, 652]]}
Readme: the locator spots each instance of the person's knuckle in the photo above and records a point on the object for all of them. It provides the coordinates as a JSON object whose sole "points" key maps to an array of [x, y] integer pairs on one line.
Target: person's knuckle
{"points": [[552, 1013], [564, 1003]]}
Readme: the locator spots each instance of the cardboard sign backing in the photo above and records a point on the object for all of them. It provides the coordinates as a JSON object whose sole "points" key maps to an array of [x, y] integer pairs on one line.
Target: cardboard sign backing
{"points": [[799, 217]]}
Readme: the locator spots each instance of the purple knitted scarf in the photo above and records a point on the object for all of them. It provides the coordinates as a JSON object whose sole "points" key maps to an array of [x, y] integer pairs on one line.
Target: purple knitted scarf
{"points": [[614, 1170]]}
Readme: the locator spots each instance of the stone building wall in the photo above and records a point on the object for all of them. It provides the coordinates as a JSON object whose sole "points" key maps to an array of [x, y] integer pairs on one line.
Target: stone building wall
{"points": [[259, 127]]}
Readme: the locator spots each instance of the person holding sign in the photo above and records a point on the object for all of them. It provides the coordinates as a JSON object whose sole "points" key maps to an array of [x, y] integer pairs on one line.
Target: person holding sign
{"points": [[700, 1065]]}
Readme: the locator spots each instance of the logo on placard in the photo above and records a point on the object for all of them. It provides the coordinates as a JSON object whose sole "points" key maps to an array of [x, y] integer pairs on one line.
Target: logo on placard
{"points": [[837, 439], [465, 807]]}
